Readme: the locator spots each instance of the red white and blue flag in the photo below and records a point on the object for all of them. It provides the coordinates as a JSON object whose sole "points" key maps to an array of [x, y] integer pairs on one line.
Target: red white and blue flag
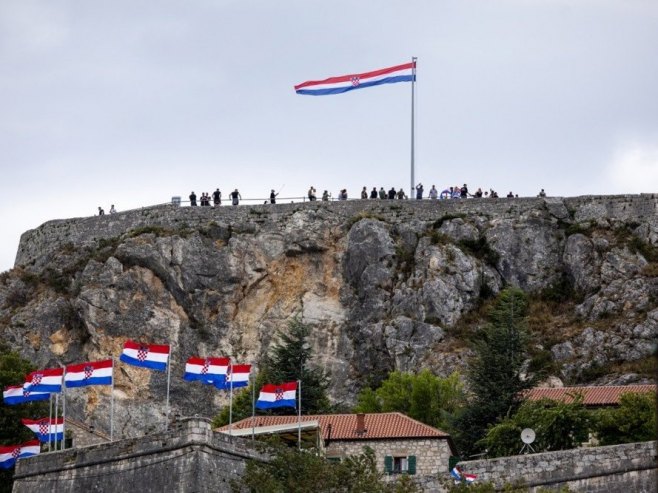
{"points": [[343, 83], [91, 373], [236, 376], [49, 380], [19, 394], [153, 356], [282, 395], [208, 370], [46, 429], [10, 453], [470, 477]]}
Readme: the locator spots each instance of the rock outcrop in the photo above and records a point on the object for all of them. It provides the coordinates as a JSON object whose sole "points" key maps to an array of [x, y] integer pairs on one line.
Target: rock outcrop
{"points": [[384, 285]]}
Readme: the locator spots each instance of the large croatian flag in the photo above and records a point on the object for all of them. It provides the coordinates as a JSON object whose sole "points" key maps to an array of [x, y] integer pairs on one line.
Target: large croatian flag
{"points": [[46, 429], [208, 370], [19, 394], [9, 453], [343, 83], [49, 380], [236, 376], [283, 395], [92, 373], [153, 356]]}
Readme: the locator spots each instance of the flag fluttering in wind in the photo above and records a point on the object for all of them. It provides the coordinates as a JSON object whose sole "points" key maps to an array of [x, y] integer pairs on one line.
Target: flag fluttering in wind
{"points": [[236, 376], [91, 373], [19, 394], [48, 380], [344, 83], [10, 453], [207, 370], [153, 356], [282, 395], [46, 429]]}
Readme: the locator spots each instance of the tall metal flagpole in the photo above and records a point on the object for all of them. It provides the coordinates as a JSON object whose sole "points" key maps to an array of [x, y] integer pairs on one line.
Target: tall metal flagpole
{"points": [[413, 119], [168, 384], [50, 418], [63, 443], [230, 402], [50, 425], [112, 405], [253, 410], [299, 414]]}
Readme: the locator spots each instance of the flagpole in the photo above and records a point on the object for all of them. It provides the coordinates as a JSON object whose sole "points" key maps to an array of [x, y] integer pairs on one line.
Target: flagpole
{"points": [[50, 425], [112, 405], [50, 417], [230, 404], [168, 384], [299, 415], [253, 410], [63, 443], [413, 119]]}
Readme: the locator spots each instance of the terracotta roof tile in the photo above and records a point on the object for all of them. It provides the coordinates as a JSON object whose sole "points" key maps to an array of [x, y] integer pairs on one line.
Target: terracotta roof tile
{"points": [[592, 396], [343, 426]]}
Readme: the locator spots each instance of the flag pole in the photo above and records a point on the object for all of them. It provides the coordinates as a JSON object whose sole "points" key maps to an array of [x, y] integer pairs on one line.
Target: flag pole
{"points": [[230, 403], [253, 410], [168, 385], [112, 405], [63, 443], [299, 415], [50, 424], [413, 119], [50, 417]]}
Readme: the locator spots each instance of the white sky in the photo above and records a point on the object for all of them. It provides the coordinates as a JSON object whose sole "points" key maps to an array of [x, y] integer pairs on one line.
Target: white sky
{"points": [[133, 102]]}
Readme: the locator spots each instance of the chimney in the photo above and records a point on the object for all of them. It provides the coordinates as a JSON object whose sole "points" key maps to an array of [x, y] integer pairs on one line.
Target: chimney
{"points": [[361, 424]]}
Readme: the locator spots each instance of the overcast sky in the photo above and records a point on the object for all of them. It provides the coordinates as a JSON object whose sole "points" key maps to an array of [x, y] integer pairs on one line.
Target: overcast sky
{"points": [[132, 102]]}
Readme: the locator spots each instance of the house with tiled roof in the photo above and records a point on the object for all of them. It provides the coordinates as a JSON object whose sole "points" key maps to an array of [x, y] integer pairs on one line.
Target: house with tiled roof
{"points": [[401, 444], [604, 395]]}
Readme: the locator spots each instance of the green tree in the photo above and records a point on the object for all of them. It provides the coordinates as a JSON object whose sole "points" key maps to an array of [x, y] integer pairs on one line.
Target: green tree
{"points": [[495, 373], [557, 425], [633, 421], [288, 361], [422, 396], [13, 369], [292, 471]]}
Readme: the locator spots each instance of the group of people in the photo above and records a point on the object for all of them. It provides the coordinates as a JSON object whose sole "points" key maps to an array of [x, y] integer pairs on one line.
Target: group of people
{"points": [[101, 211], [216, 198]]}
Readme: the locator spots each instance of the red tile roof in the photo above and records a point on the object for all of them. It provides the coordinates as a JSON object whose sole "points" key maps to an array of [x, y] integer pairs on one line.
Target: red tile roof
{"points": [[592, 396], [343, 426]]}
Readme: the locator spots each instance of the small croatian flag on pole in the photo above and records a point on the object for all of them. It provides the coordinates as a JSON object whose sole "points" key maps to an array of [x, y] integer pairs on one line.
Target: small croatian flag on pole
{"points": [[343, 83], [153, 356], [236, 376], [282, 395], [46, 429], [10, 453], [208, 370], [19, 394], [49, 380], [91, 373]]}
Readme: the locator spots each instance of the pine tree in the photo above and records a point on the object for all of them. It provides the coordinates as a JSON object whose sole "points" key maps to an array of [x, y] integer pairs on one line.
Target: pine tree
{"points": [[495, 373]]}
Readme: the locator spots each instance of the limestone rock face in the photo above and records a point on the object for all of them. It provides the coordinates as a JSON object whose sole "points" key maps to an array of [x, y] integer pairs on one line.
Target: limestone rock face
{"points": [[384, 285]]}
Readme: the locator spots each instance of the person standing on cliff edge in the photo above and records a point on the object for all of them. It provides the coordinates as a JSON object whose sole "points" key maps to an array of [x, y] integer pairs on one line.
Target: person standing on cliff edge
{"points": [[101, 212], [193, 199], [235, 195]]}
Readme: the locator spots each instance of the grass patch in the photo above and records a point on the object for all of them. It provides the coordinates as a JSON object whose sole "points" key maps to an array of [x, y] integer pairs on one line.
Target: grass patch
{"points": [[363, 215], [480, 249], [447, 217]]}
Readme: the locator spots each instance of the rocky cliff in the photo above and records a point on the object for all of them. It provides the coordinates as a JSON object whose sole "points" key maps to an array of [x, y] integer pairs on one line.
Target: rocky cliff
{"points": [[384, 284]]}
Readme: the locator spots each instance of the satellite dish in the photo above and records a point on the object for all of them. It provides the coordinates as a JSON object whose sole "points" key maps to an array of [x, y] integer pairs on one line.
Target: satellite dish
{"points": [[528, 436]]}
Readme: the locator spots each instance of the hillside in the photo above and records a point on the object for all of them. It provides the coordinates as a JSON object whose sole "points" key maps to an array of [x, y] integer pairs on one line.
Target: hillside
{"points": [[385, 285]]}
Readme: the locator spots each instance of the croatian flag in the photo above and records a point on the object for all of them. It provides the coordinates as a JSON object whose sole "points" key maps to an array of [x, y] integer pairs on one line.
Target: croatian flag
{"points": [[92, 373], [343, 83], [470, 477], [153, 356], [9, 453], [208, 370], [49, 380], [18, 394], [46, 429], [236, 376], [283, 395], [456, 474]]}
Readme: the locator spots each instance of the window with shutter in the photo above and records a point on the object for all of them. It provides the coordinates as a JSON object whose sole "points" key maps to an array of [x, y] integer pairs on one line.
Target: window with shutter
{"points": [[411, 464], [388, 464]]}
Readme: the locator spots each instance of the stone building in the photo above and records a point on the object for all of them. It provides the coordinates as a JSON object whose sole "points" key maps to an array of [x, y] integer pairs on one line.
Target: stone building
{"points": [[401, 444], [593, 397]]}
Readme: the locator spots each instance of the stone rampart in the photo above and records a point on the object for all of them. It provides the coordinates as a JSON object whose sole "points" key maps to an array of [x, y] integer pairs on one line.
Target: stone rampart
{"points": [[619, 468], [36, 244], [187, 458]]}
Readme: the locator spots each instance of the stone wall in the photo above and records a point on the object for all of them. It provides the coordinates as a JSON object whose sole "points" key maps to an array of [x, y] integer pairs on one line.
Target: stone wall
{"points": [[188, 458], [619, 468], [35, 244], [432, 454]]}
